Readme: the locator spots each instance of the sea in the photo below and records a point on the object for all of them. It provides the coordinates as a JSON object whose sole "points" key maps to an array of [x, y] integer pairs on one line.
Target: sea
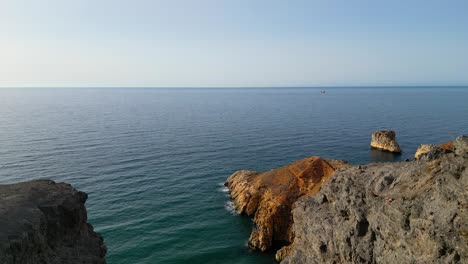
{"points": [[154, 160]]}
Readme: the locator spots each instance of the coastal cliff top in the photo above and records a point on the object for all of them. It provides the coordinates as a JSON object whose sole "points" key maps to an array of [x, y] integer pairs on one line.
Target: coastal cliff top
{"points": [[46, 222], [405, 212]]}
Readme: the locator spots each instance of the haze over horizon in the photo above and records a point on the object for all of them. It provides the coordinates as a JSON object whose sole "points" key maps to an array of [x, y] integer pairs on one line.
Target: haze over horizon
{"points": [[210, 43]]}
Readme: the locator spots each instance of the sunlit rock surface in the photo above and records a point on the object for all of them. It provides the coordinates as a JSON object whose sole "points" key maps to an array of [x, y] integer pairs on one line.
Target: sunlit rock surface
{"points": [[268, 197], [385, 140]]}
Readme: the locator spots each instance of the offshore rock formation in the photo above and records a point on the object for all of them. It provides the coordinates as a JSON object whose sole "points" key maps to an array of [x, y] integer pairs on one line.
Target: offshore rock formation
{"points": [[406, 212], [385, 140], [268, 197], [46, 222]]}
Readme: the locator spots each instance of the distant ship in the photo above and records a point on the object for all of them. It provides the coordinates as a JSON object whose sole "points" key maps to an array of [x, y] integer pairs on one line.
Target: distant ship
{"points": [[322, 91]]}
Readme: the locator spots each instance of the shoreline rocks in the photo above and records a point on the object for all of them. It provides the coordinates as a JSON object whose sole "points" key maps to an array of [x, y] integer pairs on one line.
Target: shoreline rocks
{"points": [[403, 212], [385, 140], [46, 222], [268, 197]]}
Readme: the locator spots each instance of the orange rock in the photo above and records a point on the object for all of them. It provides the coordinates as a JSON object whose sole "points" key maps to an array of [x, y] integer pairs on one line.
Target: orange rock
{"points": [[447, 146], [269, 196]]}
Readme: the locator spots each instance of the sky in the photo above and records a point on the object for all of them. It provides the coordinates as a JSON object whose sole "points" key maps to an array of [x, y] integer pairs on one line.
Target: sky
{"points": [[232, 43]]}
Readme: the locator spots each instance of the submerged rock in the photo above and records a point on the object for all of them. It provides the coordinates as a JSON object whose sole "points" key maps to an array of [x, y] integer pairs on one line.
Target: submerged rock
{"points": [[405, 212], [268, 197], [46, 222], [385, 140]]}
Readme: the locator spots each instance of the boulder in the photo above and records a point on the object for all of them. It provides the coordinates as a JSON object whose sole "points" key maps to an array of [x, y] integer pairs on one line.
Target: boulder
{"points": [[268, 197], [385, 140], [46, 222]]}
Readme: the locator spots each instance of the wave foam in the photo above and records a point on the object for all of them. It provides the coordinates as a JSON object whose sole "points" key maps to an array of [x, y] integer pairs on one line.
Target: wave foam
{"points": [[230, 207]]}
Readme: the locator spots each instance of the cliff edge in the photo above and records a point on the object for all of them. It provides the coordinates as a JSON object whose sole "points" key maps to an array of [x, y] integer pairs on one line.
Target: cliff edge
{"points": [[46, 222], [405, 212]]}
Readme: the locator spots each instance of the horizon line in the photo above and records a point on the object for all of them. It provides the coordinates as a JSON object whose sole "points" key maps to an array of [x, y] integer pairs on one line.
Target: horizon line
{"points": [[233, 87]]}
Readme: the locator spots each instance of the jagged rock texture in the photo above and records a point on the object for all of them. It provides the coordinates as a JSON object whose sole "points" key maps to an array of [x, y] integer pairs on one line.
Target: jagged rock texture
{"points": [[268, 197], [406, 212], [385, 140], [46, 222], [430, 151]]}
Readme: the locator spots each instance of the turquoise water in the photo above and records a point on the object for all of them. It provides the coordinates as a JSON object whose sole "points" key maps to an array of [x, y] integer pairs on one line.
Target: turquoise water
{"points": [[153, 160]]}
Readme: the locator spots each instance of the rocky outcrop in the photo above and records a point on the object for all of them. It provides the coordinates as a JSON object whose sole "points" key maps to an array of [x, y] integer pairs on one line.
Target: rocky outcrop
{"points": [[406, 212], [268, 197], [385, 140], [46, 222], [460, 146], [430, 151]]}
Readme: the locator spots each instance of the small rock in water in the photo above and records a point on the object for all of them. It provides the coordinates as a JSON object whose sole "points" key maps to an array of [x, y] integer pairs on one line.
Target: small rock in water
{"points": [[385, 140]]}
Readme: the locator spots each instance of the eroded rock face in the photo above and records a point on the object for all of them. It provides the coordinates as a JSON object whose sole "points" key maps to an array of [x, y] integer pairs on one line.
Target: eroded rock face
{"points": [[268, 197], [385, 140], [406, 212], [46, 222]]}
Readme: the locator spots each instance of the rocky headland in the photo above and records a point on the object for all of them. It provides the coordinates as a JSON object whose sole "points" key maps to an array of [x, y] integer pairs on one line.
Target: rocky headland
{"points": [[268, 197], [402, 212], [46, 222], [385, 140]]}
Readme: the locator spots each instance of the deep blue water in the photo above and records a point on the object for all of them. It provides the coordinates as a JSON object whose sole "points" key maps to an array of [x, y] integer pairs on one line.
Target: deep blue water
{"points": [[153, 160]]}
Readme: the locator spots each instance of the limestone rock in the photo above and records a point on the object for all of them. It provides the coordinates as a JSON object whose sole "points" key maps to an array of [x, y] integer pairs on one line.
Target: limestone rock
{"points": [[385, 140], [268, 197], [405, 212], [46, 222]]}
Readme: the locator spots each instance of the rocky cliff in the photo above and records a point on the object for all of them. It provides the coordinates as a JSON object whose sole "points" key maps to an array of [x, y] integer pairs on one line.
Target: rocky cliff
{"points": [[268, 197], [46, 222], [406, 212]]}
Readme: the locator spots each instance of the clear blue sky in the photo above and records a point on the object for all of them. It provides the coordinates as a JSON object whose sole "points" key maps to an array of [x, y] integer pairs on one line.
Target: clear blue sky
{"points": [[178, 43]]}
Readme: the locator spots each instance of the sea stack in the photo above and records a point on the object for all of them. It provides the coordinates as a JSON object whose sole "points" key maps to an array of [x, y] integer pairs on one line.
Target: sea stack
{"points": [[46, 222], [385, 140], [269, 196]]}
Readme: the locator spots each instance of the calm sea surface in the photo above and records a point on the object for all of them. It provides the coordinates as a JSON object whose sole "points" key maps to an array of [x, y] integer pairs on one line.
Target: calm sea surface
{"points": [[153, 160]]}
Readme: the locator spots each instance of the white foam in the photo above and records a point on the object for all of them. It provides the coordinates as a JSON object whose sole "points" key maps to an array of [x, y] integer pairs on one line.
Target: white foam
{"points": [[223, 189], [230, 207]]}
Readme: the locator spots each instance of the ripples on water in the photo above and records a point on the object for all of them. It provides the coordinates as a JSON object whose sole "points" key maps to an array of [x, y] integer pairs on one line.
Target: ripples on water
{"points": [[152, 160]]}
